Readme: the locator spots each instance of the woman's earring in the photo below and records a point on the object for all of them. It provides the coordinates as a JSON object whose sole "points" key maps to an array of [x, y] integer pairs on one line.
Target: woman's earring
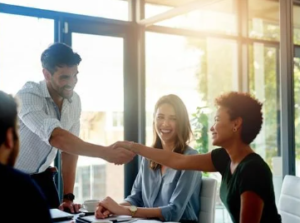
{"points": [[234, 129]]}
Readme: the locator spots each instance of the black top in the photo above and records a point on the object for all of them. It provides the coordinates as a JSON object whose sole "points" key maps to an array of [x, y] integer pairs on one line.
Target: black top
{"points": [[252, 174], [20, 198]]}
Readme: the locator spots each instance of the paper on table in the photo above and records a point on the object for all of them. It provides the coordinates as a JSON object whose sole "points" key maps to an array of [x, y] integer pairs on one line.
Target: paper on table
{"points": [[147, 221], [92, 218], [140, 220], [124, 218]]}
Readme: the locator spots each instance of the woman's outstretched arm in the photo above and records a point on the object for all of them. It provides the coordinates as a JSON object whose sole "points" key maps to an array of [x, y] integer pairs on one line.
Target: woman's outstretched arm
{"points": [[202, 162]]}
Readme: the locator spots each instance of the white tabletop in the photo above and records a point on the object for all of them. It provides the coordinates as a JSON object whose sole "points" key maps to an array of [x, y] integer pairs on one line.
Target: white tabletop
{"points": [[135, 220]]}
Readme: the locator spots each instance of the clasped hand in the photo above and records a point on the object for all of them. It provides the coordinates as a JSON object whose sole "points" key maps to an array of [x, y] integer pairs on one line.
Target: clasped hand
{"points": [[119, 153]]}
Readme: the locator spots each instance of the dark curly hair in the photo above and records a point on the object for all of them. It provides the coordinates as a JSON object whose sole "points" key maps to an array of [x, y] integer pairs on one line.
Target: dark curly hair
{"points": [[248, 108], [59, 55]]}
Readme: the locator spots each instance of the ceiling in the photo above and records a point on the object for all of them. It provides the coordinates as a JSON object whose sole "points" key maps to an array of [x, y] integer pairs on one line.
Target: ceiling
{"points": [[265, 9], [226, 6], [173, 3]]}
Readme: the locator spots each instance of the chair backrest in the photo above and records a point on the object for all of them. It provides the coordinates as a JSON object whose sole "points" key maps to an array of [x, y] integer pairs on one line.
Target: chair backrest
{"points": [[208, 193], [289, 200]]}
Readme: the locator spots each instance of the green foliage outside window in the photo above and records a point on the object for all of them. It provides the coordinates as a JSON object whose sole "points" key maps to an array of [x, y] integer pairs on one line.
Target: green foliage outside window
{"points": [[200, 122], [201, 128]]}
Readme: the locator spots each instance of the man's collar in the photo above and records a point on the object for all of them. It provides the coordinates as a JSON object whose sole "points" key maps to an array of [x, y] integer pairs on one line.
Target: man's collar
{"points": [[45, 92]]}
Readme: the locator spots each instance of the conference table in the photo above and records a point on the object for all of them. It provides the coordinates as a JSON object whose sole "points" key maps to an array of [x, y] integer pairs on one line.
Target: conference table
{"points": [[132, 220]]}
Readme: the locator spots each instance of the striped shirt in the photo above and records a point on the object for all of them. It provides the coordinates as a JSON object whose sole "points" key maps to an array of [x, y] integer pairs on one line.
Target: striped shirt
{"points": [[38, 117]]}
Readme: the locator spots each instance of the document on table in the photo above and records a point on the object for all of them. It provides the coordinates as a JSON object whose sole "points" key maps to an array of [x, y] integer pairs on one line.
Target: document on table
{"points": [[122, 219], [119, 218]]}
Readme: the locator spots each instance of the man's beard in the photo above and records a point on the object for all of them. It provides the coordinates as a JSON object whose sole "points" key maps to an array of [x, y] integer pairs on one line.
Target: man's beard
{"points": [[60, 90], [15, 151], [13, 156], [63, 95]]}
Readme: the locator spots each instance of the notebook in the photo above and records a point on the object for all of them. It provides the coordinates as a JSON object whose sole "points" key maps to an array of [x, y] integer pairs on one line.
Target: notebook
{"points": [[118, 218], [58, 215]]}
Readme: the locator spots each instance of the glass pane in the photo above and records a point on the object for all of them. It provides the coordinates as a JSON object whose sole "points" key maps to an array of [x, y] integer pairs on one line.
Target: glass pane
{"points": [[296, 15], [215, 17], [187, 67], [21, 50], [264, 84], [264, 19], [113, 9], [152, 9], [102, 113], [297, 112]]}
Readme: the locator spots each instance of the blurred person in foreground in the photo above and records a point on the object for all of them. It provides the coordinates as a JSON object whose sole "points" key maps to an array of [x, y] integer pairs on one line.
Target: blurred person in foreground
{"points": [[21, 200]]}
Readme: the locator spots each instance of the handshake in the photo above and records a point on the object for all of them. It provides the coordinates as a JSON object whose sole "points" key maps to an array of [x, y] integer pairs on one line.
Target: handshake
{"points": [[120, 152]]}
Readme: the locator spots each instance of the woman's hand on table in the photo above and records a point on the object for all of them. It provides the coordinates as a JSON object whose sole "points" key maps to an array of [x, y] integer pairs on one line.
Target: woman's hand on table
{"points": [[108, 206]]}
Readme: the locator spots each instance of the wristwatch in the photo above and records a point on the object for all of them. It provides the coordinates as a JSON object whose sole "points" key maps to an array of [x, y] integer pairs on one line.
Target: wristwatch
{"points": [[133, 210], [69, 197]]}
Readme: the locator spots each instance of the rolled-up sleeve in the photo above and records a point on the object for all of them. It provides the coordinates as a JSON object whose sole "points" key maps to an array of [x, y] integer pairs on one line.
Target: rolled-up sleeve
{"points": [[32, 114], [188, 182], [75, 129], [135, 198]]}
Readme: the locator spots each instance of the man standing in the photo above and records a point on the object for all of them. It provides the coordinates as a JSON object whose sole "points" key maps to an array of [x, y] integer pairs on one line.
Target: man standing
{"points": [[19, 195], [49, 121]]}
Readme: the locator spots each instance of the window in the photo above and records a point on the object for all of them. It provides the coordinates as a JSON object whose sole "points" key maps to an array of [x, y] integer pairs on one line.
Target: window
{"points": [[217, 17], [187, 67], [90, 182], [264, 84], [263, 18], [117, 119], [100, 69], [153, 9], [296, 15], [20, 57], [297, 112]]}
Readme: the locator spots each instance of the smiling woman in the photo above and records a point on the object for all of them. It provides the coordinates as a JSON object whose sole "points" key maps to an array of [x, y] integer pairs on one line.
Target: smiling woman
{"points": [[158, 191], [165, 122], [246, 188], [171, 126]]}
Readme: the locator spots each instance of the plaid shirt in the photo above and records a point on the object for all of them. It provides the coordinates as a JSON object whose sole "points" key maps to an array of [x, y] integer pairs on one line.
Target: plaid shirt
{"points": [[38, 117]]}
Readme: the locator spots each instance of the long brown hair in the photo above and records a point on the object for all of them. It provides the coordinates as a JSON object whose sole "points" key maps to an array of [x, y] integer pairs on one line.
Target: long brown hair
{"points": [[183, 127]]}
